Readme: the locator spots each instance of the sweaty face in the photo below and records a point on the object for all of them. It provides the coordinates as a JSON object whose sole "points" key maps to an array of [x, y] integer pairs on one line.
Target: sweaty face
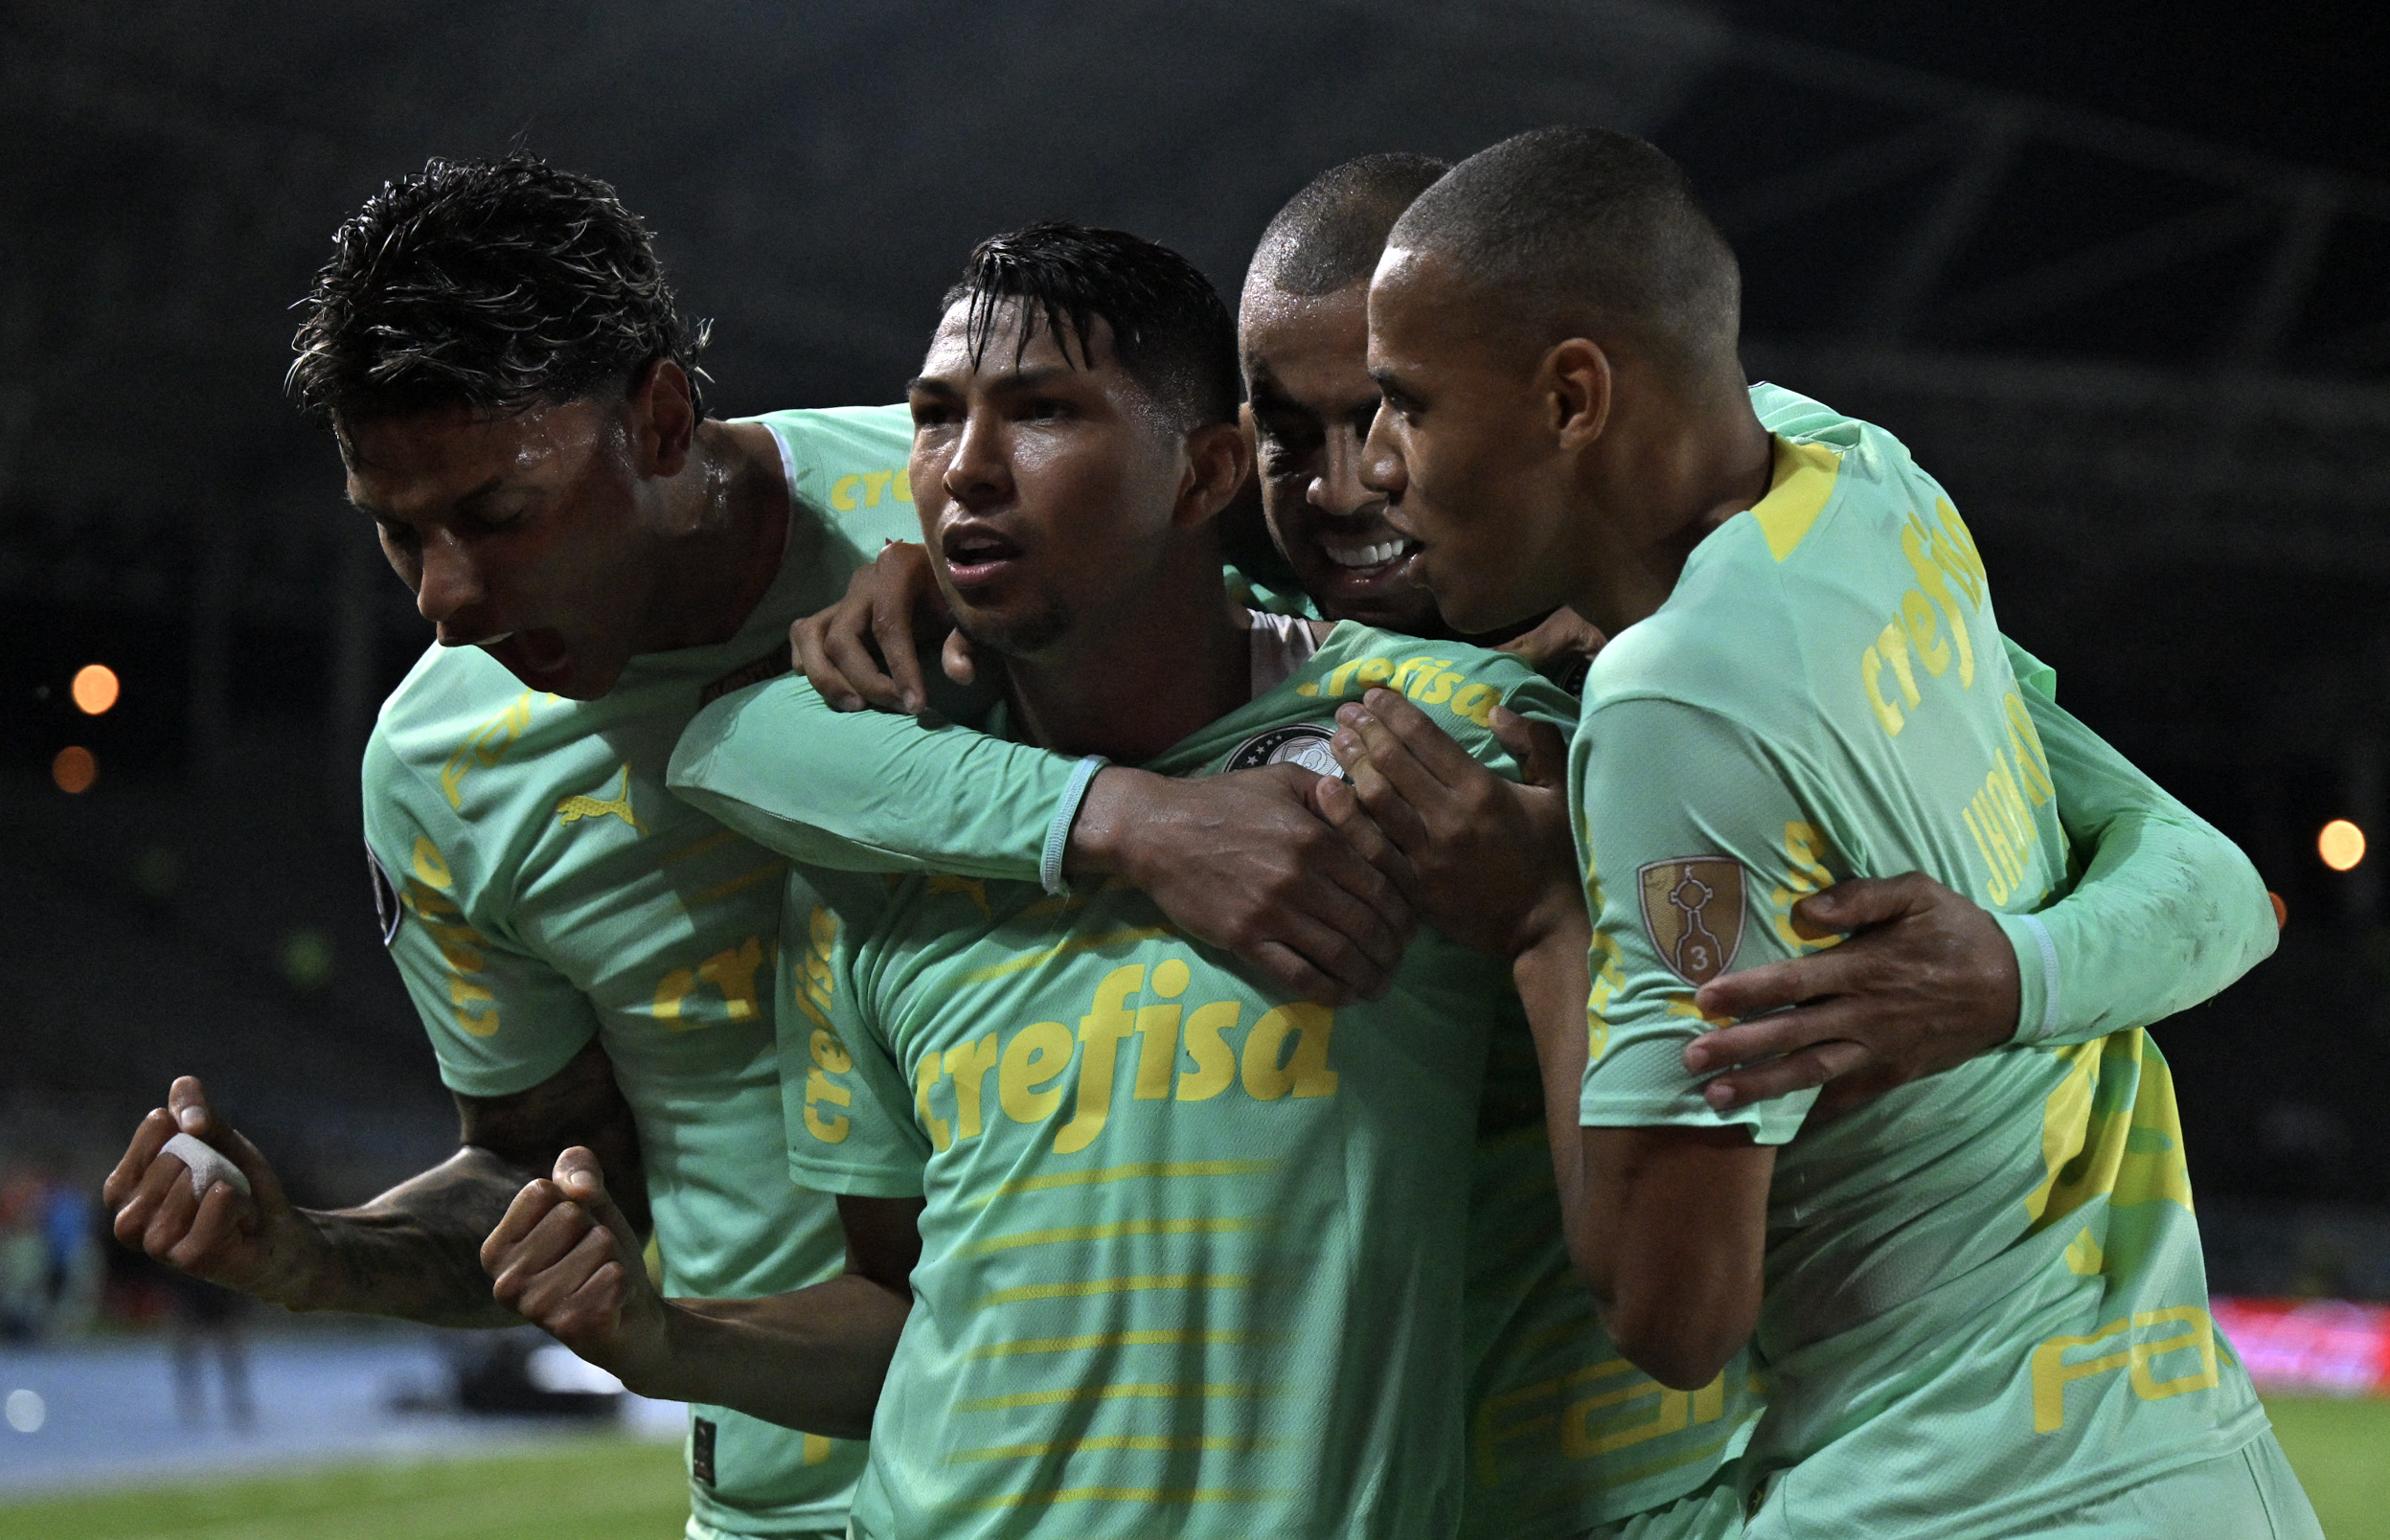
{"points": [[1461, 452], [519, 535], [1307, 368], [1045, 484]]}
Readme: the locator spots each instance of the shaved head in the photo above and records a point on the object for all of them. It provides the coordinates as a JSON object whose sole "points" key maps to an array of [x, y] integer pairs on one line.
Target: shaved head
{"points": [[1328, 236], [1570, 232]]}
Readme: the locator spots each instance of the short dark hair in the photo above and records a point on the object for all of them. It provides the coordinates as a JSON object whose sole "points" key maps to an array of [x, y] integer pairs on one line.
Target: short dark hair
{"points": [[1569, 225], [1328, 236], [1169, 330], [490, 284]]}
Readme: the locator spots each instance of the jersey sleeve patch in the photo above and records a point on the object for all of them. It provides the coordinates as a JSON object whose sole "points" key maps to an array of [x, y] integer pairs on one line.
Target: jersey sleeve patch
{"points": [[1693, 909]]}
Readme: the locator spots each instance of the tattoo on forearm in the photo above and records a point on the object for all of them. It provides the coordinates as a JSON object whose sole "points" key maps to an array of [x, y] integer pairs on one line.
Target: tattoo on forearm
{"points": [[414, 1251]]}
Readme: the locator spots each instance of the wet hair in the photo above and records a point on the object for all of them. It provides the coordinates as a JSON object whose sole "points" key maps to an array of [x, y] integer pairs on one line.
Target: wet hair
{"points": [[1567, 229], [1328, 236], [1169, 330], [492, 284]]}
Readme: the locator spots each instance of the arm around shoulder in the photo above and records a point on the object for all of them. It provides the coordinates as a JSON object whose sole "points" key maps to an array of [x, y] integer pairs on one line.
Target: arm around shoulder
{"points": [[2167, 913]]}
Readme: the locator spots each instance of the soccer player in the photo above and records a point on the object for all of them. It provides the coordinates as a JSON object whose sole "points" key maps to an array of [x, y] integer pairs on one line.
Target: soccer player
{"points": [[517, 399], [1564, 1436], [1186, 1257], [1979, 1299]]}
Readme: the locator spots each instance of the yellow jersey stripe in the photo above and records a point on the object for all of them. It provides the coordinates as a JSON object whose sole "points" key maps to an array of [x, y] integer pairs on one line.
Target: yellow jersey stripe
{"points": [[1087, 1288], [1121, 1339], [1135, 1494], [1113, 1231], [1115, 1392], [1097, 1176], [737, 884], [1139, 1442], [698, 847]]}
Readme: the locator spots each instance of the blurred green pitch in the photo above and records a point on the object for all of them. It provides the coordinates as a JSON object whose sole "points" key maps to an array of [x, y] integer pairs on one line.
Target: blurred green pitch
{"points": [[605, 1489], [616, 1489]]}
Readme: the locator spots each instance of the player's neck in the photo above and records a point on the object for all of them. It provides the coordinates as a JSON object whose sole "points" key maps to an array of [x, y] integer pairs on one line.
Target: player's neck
{"points": [[727, 527], [1667, 483], [1163, 664]]}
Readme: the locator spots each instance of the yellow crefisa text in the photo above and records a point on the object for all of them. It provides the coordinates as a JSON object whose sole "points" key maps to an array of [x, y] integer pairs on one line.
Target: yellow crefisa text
{"points": [[1051, 1073], [1933, 625], [1426, 681]]}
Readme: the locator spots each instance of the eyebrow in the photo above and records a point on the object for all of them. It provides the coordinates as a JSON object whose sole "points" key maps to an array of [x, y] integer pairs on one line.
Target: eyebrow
{"points": [[1025, 379], [493, 485]]}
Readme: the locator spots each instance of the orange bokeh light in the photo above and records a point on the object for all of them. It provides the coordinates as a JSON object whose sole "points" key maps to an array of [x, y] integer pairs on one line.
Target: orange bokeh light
{"points": [[95, 689], [2341, 845], [74, 770]]}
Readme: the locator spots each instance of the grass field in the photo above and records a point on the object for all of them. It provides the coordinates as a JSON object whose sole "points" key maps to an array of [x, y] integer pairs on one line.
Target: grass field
{"points": [[593, 1489], [2341, 1451], [615, 1490]]}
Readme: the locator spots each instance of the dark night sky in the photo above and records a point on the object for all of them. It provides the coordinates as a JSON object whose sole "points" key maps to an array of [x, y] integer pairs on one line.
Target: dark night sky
{"points": [[2302, 83]]}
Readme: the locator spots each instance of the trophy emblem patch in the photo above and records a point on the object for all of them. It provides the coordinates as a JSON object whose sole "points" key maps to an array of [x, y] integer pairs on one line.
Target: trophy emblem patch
{"points": [[1693, 911]]}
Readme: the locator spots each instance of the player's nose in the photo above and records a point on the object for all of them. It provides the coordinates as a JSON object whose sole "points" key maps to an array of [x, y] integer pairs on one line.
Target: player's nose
{"points": [[451, 589], [1381, 467], [979, 472], [1341, 491]]}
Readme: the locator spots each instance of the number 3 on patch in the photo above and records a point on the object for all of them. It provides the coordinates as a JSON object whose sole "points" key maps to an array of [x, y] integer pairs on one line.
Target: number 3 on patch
{"points": [[1693, 911]]}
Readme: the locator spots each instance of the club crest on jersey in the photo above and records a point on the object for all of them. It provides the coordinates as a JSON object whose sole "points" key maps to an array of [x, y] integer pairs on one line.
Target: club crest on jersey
{"points": [[1693, 911], [386, 911], [1306, 743]]}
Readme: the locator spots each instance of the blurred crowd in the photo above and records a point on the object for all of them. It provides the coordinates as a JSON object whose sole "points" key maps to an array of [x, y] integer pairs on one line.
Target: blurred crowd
{"points": [[53, 1268]]}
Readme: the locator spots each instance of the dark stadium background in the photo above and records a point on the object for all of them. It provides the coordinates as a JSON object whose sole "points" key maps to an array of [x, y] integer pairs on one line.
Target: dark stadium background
{"points": [[2117, 278]]}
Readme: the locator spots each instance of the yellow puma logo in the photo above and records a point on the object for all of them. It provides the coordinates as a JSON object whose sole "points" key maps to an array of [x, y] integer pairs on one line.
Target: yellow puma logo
{"points": [[576, 808]]}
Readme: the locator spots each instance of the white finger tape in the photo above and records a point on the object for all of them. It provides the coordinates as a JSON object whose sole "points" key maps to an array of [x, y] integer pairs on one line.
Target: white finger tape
{"points": [[206, 1166]]}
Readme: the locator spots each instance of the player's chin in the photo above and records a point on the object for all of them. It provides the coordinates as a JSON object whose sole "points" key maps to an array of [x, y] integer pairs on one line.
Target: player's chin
{"points": [[1016, 630], [1471, 610]]}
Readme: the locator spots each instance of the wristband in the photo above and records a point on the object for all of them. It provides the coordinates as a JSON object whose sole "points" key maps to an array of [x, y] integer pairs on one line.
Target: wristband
{"points": [[1067, 813]]}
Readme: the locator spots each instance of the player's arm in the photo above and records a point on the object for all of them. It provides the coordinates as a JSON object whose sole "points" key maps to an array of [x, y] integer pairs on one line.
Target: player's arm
{"points": [[566, 1258], [1664, 1200], [2165, 914], [1681, 884], [1239, 860], [413, 1250]]}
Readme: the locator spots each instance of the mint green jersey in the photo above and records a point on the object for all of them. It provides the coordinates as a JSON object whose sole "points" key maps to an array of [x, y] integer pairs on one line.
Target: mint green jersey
{"points": [[551, 891], [1190, 1255], [1985, 1299], [1565, 1435]]}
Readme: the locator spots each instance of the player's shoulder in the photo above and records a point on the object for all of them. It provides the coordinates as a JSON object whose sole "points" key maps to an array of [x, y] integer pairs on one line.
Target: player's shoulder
{"points": [[1820, 556], [460, 742], [1838, 478], [450, 693], [821, 444]]}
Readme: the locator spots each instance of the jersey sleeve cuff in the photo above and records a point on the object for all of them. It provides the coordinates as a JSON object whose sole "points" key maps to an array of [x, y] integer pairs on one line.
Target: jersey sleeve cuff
{"points": [[2038, 995], [1646, 1085], [1059, 829], [855, 1181]]}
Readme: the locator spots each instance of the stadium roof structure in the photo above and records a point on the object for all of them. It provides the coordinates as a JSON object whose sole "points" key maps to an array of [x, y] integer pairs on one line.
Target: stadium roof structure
{"points": [[2103, 334]]}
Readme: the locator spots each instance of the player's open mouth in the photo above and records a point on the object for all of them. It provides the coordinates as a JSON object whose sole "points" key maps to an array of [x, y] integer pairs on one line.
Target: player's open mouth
{"points": [[537, 657], [1362, 562], [975, 553]]}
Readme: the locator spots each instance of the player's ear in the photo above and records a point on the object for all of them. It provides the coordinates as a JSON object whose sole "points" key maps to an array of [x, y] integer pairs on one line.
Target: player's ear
{"points": [[1219, 461], [664, 410], [1575, 382]]}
